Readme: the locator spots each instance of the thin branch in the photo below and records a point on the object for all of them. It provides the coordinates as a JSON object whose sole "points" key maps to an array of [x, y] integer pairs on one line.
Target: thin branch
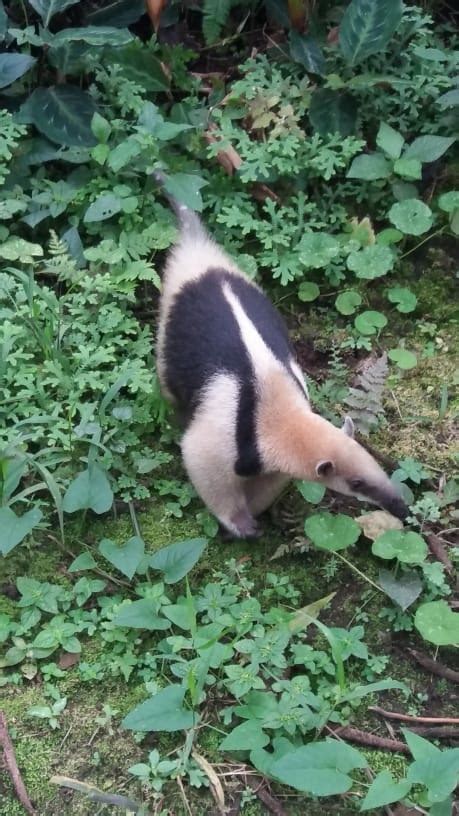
{"points": [[371, 740], [12, 767], [271, 803], [435, 667], [395, 715]]}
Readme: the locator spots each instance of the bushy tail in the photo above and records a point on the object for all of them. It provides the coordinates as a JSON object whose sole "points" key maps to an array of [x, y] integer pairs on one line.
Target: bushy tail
{"points": [[189, 222]]}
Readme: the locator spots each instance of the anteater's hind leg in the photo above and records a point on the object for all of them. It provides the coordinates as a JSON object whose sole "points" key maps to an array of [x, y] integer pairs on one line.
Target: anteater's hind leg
{"points": [[261, 491], [209, 454]]}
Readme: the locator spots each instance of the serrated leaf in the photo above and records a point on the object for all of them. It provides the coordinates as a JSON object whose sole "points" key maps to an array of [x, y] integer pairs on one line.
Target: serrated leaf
{"points": [[90, 490], [178, 559], [48, 8], [437, 623], [390, 141], [403, 589], [126, 557], [407, 547], [63, 113], [384, 790], [105, 206], [13, 528], [306, 50], [12, 66], [403, 358], [367, 26], [348, 302], [369, 167], [332, 532], [370, 322], [428, 148], [163, 712], [333, 112], [371, 262], [245, 737], [140, 615]]}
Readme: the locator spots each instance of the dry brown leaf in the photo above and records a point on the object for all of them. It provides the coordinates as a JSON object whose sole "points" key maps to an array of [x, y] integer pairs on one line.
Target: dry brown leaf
{"points": [[155, 9], [333, 36], [228, 157], [68, 659], [377, 522], [215, 784]]}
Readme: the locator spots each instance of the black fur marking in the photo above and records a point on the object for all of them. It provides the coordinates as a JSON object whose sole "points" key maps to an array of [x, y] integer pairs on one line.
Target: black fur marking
{"points": [[203, 339]]}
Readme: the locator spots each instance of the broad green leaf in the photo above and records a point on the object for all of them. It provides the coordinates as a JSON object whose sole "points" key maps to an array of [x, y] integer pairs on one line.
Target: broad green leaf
{"points": [[389, 236], [63, 113], [437, 623], [348, 302], [100, 127], [12, 469], [139, 66], [185, 188], [409, 548], [316, 249], [90, 490], [428, 148], [48, 8], [17, 249], [403, 358], [384, 790], [307, 52], [439, 774], [390, 141], [93, 35], [178, 559], [411, 216], [69, 57], [332, 532], [308, 291], [370, 322], [333, 112], [408, 168], [13, 66], [449, 99], [126, 557], [181, 614], [320, 768], [311, 491], [13, 528], [245, 737], [449, 202], [359, 692], [140, 615], [371, 262], [369, 167], [163, 712], [405, 299], [367, 26], [105, 206], [403, 589], [85, 561], [117, 13], [420, 747]]}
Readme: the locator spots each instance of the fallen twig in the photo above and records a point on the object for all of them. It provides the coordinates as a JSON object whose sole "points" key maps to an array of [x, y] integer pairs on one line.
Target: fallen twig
{"points": [[435, 667], [438, 549], [94, 794], [215, 784], [438, 731], [395, 715], [12, 767], [273, 804], [372, 740]]}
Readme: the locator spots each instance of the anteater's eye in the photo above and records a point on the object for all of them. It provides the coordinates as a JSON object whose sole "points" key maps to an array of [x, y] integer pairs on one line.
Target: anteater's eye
{"points": [[356, 484]]}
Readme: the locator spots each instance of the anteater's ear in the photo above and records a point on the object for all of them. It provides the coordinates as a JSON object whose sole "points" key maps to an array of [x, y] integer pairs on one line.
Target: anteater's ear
{"points": [[325, 468], [348, 427]]}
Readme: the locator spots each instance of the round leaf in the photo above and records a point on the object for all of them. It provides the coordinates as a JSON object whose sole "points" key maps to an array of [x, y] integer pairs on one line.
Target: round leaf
{"points": [[348, 302], [411, 216], [332, 532], [449, 202], [405, 299], [438, 624], [63, 113], [317, 249], [371, 262], [308, 291], [369, 322], [403, 358], [409, 548], [311, 491]]}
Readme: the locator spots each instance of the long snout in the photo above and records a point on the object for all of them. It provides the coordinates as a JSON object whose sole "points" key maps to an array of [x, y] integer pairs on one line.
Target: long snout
{"points": [[394, 504]]}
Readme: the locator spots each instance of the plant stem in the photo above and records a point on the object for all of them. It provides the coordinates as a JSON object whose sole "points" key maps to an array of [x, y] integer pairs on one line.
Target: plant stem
{"points": [[429, 237], [356, 569]]}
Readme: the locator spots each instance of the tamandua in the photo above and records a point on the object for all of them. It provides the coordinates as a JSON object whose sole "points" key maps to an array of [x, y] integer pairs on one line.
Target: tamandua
{"points": [[225, 361]]}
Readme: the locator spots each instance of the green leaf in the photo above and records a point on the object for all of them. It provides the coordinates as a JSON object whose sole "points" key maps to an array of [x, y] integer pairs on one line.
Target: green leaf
{"points": [[101, 128], [333, 112], [13, 528], [13, 66], [358, 692], [403, 590], [390, 141], [308, 291], [117, 13], [245, 737], [105, 206], [371, 262], [449, 99], [163, 712], [180, 614], [449, 202], [439, 773], [420, 748], [369, 167], [311, 491], [126, 557], [384, 790], [17, 249], [437, 623], [389, 236], [185, 188], [90, 490], [428, 148], [178, 559], [332, 532], [48, 8], [409, 548], [367, 26], [307, 52], [320, 768], [3, 21], [140, 615], [403, 358], [348, 302], [63, 113], [85, 561], [316, 249], [93, 35], [408, 168], [369, 322], [411, 216], [405, 299]]}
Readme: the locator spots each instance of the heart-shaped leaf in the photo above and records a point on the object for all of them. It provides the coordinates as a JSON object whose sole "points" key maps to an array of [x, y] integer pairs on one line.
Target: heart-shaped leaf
{"points": [[409, 548], [403, 590], [411, 216], [245, 737], [13, 528], [140, 615], [405, 299], [384, 790], [127, 557], [85, 561], [348, 302], [320, 768], [370, 322], [163, 712], [403, 358], [90, 490], [178, 559], [437, 623], [332, 532]]}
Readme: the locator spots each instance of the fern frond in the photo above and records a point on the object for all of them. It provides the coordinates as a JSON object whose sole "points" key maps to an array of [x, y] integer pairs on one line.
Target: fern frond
{"points": [[215, 16], [59, 262], [365, 400]]}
